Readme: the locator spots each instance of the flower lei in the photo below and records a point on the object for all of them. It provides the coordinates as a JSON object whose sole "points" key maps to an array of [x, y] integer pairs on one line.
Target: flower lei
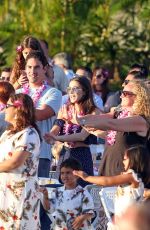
{"points": [[69, 127], [36, 96], [2, 106], [111, 136]]}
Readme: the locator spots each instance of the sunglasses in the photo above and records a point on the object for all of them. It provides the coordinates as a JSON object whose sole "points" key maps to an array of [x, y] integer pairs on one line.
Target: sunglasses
{"points": [[126, 82], [8, 106], [5, 78], [99, 76], [73, 90], [128, 93]]}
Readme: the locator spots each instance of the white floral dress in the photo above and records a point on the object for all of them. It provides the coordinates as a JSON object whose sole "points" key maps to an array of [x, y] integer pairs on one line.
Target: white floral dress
{"points": [[68, 204], [19, 199], [127, 195]]}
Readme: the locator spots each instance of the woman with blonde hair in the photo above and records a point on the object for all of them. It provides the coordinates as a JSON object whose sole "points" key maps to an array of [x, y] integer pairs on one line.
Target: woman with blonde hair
{"points": [[124, 128]]}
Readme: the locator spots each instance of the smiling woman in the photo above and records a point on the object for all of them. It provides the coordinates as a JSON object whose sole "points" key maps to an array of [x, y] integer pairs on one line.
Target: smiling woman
{"points": [[127, 127], [76, 140]]}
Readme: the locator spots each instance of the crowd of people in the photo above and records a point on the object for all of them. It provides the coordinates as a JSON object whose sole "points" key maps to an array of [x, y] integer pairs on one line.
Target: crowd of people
{"points": [[45, 103]]}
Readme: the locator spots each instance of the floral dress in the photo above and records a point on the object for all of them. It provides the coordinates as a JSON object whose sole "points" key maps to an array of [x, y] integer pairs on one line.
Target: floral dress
{"points": [[127, 195], [66, 205], [19, 199]]}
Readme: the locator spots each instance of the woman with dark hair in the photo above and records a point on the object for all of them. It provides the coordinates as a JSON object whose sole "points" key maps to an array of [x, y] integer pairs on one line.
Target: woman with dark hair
{"points": [[18, 75], [18, 166], [76, 140], [100, 85], [6, 89]]}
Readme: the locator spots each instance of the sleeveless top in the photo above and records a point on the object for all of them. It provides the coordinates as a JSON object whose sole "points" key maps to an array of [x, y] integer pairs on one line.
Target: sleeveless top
{"points": [[112, 161]]}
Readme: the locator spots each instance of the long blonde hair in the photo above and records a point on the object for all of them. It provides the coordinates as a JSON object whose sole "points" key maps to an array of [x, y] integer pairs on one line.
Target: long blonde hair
{"points": [[141, 104]]}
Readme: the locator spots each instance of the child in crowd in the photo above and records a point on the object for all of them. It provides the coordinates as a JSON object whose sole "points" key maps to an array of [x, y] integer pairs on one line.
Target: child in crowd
{"points": [[70, 205], [131, 182]]}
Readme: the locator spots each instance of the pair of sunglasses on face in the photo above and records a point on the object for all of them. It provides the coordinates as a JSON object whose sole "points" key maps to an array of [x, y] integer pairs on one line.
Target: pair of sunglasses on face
{"points": [[4, 78], [73, 89], [99, 76], [126, 93]]}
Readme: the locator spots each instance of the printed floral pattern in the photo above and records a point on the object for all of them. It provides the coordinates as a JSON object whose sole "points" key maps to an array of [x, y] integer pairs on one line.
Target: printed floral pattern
{"points": [[68, 204], [19, 206], [126, 195]]}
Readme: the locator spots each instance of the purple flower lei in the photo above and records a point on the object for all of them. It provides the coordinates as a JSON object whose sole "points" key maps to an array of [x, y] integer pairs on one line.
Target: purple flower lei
{"points": [[111, 136], [36, 96]]}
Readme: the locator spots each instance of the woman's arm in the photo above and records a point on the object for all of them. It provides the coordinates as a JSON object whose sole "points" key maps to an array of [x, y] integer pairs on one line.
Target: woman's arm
{"points": [[72, 137], [17, 159], [103, 122], [49, 137], [106, 180]]}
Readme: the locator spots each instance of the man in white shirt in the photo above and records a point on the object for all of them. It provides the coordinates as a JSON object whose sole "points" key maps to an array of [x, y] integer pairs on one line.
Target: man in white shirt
{"points": [[47, 101]]}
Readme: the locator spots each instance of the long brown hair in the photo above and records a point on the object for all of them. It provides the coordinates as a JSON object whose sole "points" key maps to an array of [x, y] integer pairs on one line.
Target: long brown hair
{"points": [[6, 89], [25, 113], [19, 65], [86, 102]]}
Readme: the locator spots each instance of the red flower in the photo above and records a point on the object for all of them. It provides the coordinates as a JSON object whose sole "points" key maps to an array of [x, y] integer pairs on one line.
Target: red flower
{"points": [[2, 228], [10, 154], [15, 217], [72, 214], [9, 186]]}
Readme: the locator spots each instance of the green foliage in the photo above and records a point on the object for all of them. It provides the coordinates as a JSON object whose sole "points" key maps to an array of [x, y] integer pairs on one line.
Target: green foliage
{"points": [[113, 33]]}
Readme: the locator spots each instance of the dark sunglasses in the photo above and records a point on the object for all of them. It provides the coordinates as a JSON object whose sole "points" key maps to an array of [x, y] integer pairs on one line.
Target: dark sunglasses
{"points": [[8, 106], [99, 76], [5, 78], [128, 93], [126, 82]]}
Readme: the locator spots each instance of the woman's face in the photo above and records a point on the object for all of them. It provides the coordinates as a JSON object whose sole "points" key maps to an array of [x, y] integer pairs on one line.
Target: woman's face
{"points": [[127, 96], [25, 52], [10, 112], [75, 92], [99, 77]]}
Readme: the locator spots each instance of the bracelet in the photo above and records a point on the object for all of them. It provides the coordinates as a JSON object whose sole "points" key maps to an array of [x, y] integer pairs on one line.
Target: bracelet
{"points": [[18, 83], [82, 122]]}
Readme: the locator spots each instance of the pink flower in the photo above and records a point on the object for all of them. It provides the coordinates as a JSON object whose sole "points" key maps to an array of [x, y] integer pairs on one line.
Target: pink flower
{"points": [[111, 136], [36, 96], [19, 49], [17, 103]]}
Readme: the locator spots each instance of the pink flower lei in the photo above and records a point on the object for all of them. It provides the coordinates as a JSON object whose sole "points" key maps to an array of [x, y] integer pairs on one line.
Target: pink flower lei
{"points": [[36, 96], [2, 106], [111, 136]]}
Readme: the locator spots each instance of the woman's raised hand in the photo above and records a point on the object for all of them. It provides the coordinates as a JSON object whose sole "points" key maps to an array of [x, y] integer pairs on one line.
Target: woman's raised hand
{"points": [[75, 118], [80, 173]]}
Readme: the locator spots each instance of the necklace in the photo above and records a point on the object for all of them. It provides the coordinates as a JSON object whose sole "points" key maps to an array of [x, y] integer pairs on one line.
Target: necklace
{"points": [[111, 136], [36, 96]]}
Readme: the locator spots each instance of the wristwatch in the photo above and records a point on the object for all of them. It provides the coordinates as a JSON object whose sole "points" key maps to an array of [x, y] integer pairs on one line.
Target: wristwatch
{"points": [[82, 122]]}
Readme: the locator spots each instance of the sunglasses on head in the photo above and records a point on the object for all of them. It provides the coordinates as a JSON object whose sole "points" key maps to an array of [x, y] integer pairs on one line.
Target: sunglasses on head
{"points": [[127, 93]]}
